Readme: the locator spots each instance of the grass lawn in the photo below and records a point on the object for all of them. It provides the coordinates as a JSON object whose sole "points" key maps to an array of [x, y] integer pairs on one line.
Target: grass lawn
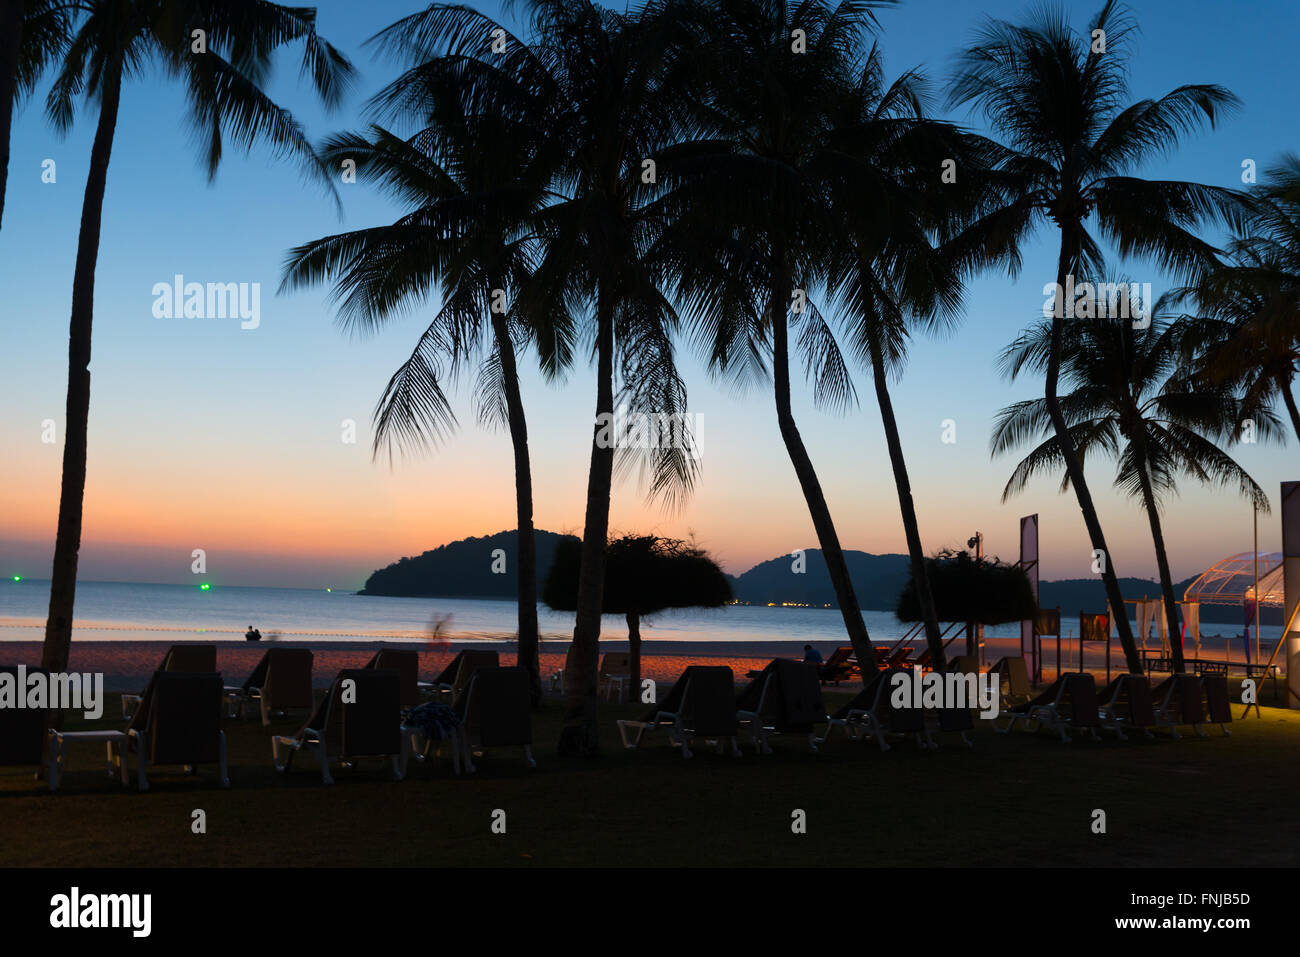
{"points": [[1015, 799]]}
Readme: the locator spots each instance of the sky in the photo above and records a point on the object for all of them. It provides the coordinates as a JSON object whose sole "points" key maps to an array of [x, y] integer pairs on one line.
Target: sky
{"points": [[206, 435]]}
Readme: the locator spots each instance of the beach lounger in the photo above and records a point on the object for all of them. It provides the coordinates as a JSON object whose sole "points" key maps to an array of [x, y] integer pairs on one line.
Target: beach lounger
{"points": [[897, 657], [954, 720], [496, 711], [785, 698], [357, 720], [615, 673], [178, 722], [1070, 702], [871, 715], [25, 736], [407, 665], [1217, 707], [455, 678], [700, 704], [838, 667], [1179, 700], [281, 682], [200, 659], [1126, 703], [1016, 687]]}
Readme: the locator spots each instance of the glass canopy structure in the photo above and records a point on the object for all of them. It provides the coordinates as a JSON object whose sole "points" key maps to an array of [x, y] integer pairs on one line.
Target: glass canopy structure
{"points": [[1232, 581]]}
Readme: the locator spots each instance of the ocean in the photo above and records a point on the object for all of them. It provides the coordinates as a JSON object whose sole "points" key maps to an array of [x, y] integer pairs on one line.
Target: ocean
{"points": [[118, 611]]}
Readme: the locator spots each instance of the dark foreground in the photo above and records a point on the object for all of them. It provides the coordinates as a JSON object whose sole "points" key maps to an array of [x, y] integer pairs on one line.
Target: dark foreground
{"points": [[1020, 800]]}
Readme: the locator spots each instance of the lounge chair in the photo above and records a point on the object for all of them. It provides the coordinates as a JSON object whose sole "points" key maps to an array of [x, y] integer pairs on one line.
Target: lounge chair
{"points": [[197, 659], [178, 722], [281, 682], [955, 720], [615, 674], [25, 737], [1069, 702], [871, 715], [838, 667], [353, 721], [1179, 700], [700, 704], [1015, 684], [1217, 707], [785, 698], [1126, 703], [496, 711], [407, 665], [455, 678], [897, 657]]}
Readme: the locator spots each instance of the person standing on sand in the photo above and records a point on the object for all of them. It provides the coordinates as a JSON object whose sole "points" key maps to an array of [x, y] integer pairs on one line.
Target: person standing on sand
{"points": [[812, 655], [252, 634]]}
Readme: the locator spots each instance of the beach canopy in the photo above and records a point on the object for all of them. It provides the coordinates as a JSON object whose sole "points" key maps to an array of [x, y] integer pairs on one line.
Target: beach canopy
{"points": [[1232, 581], [965, 588]]}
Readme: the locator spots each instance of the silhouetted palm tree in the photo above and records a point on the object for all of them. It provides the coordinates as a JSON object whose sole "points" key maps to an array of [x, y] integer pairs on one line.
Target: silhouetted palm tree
{"points": [[889, 273], [594, 84], [1059, 101], [33, 34], [1130, 397], [113, 41], [753, 221], [469, 193], [1248, 309]]}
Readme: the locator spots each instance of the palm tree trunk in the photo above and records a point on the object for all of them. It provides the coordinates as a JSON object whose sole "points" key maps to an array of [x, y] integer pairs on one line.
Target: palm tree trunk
{"points": [[812, 489], [579, 736], [634, 650], [1075, 469], [911, 528], [11, 32], [1288, 398], [526, 562], [1162, 562], [67, 543]]}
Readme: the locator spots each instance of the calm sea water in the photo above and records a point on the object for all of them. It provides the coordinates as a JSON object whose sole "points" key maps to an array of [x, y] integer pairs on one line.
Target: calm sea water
{"points": [[109, 611]]}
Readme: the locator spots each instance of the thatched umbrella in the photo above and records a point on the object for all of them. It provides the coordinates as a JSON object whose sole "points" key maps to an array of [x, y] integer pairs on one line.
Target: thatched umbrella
{"points": [[981, 591], [644, 574]]}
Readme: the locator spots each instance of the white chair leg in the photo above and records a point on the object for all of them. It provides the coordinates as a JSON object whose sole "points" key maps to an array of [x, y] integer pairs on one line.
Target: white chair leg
{"points": [[528, 756], [467, 752], [322, 754]]}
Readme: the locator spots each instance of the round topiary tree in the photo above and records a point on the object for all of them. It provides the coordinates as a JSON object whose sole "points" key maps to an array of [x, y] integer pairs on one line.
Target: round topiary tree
{"points": [[981, 591], [644, 574]]}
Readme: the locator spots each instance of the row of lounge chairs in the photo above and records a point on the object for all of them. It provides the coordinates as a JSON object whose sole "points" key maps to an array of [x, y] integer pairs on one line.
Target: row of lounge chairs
{"points": [[1072, 702], [177, 719], [783, 698]]}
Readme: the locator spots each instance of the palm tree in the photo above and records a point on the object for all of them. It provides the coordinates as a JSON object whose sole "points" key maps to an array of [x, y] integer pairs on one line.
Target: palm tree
{"points": [[594, 83], [773, 76], [33, 34], [1248, 309], [890, 279], [114, 40], [1130, 398], [1059, 102], [470, 192]]}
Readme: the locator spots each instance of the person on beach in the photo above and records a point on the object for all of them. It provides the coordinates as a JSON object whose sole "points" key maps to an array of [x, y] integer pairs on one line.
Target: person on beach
{"points": [[812, 655], [252, 634]]}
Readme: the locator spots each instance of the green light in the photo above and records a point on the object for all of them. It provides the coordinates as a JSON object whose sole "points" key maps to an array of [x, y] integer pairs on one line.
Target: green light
{"points": [[18, 578], [205, 587], [329, 589]]}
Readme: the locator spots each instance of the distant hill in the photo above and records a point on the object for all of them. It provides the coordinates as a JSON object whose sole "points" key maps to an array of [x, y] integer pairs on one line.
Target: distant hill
{"points": [[462, 569], [877, 580]]}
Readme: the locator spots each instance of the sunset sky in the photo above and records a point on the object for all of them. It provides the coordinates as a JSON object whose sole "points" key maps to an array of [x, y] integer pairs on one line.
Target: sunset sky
{"points": [[206, 435]]}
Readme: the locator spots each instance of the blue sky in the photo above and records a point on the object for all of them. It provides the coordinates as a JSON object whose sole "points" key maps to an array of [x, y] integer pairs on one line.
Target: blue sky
{"points": [[206, 435]]}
